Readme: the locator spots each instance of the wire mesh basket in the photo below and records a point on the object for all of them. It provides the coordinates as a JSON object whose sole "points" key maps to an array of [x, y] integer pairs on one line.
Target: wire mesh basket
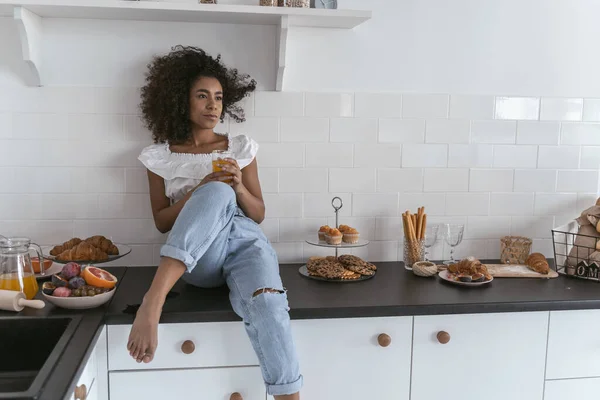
{"points": [[576, 255]]}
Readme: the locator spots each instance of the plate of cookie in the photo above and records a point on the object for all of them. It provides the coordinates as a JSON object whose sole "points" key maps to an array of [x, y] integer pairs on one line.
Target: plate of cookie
{"points": [[346, 268]]}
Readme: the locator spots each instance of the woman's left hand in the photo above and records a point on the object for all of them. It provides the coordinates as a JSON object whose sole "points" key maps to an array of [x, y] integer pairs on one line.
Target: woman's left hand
{"points": [[231, 166]]}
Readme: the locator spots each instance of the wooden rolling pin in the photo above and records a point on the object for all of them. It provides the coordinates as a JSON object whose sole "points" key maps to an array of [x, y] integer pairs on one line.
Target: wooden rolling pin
{"points": [[11, 300]]}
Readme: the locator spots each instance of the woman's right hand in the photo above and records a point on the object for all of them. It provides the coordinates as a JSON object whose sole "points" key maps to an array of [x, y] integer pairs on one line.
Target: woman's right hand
{"points": [[220, 176]]}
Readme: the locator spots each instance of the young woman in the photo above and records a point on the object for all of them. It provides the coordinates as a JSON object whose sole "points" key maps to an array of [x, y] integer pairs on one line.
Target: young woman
{"points": [[212, 217]]}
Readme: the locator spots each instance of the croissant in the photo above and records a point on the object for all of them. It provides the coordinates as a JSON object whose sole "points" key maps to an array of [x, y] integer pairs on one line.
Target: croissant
{"points": [[104, 244], [83, 252], [537, 262], [56, 250]]}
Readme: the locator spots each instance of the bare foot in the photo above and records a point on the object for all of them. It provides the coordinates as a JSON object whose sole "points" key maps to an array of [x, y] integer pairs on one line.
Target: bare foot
{"points": [[143, 338]]}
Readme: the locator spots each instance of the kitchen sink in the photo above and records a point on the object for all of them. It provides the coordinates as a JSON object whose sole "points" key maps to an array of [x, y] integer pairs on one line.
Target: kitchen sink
{"points": [[29, 348]]}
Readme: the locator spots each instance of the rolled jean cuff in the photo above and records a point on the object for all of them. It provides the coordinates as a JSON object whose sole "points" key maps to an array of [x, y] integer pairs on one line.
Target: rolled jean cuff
{"points": [[288, 388], [178, 254]]}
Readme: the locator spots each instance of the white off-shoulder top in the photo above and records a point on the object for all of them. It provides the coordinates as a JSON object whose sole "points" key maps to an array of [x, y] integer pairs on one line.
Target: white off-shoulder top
{"points": [[184, 171]]}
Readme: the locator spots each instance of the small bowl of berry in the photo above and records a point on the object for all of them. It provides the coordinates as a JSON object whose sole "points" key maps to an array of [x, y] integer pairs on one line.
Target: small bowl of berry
{"points": [[77, 287]]}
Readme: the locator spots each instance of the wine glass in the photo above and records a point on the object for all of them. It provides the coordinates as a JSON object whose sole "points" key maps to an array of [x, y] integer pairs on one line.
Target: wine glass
{"points": [[453, 235], [431, 236]]}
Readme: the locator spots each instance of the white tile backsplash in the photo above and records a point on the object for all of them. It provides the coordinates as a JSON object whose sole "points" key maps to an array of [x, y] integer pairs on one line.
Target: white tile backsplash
{"points": [[500, 165]]}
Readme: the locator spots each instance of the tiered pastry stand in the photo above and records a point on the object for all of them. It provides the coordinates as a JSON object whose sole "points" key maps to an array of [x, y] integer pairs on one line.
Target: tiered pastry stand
{"points": [[337, 205]]}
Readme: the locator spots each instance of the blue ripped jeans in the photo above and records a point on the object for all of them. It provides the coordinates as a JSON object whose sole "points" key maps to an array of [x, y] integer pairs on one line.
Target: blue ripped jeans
{"points": [[218, 244]]}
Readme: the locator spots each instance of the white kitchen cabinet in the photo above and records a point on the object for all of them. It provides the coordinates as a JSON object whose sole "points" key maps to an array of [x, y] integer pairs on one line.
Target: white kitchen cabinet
{"points": [[572, 389], [92, 382], [491, 356], [342, 359], [573, 344], [184, 384]]}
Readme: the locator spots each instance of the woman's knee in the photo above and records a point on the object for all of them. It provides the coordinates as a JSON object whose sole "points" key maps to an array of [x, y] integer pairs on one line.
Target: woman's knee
{"points": [[216, 190]]}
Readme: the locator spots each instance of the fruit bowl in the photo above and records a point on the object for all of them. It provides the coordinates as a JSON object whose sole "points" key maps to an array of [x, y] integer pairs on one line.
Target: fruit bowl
{"points": [[80, 303]]}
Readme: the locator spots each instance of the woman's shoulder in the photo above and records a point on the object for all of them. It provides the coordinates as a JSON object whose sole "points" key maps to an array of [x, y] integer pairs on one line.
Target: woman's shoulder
{"points": [[244, 148], [154, 151]]}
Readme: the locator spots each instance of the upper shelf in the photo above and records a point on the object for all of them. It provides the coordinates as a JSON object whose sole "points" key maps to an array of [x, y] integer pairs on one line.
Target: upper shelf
{"points": [[186, 12]]}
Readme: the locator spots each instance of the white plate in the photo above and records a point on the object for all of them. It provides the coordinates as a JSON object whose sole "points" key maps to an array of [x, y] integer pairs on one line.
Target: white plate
{"points": [[55, 268], [80, 303], [123, 251], [445, 276]]}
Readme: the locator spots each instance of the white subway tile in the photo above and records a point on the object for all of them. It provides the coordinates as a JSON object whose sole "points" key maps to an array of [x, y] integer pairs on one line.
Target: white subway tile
{"points": [[97, 180], [487, 227], [586, 200], [319, 204], [283, 205], [8, 181], [480, 248], [288, 253], [115, 100], [577, 181], [309, 250], [491, 180], [384, 105], [424, 155], [591, 110], [494, 132], [354, 130], [98, 127], [434, 203], [535, 180], [281, 155], [304, 129], [375, 205], [538, 132], [401, 130], [329, 155], [467, 204], [70, 206], [515, 156], [517, 108], [557, 109], [425, 105], [557, 157], [269, 179], [470, 155], [21, 206], [132, 206], [399, 180], [5, 125], [40, 180], [447, 131], [555, 204], [42, 232], [361, 180], [39, 126], [590, 157], [261, 129], [136, 180], [278, 104], [389, 229], [574, 133], [544, 246], [101, 154], [299, 229], [270, 227], [532, 227], [329, 104], [377, 155], [11, 153], [446, 180], [503, 204], [134, 129], [130, 231], [248, 105], [303, 180], [365, 226], [471, 107], [378, 251]]}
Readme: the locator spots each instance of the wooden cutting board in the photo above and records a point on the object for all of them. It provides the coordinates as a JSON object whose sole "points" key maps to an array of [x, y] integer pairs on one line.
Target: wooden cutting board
{"points": [[517, 271]]}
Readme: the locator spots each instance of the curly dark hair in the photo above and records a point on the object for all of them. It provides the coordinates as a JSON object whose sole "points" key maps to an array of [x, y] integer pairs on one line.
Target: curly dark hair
{"points": [[165, 98]]}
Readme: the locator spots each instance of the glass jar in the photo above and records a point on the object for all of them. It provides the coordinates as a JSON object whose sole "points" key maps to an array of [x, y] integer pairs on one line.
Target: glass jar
{"points": [[297, 3], [268, 3], [413, 252]]}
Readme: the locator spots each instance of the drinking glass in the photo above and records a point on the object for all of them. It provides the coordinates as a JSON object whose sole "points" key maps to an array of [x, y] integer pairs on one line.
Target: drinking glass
{"points": [[453, 235], [431, 236]]}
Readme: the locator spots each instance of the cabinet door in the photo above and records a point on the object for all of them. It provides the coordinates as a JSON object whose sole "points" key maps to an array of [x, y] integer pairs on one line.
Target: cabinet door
{"points": [[209, 384], [574, 344], [491, 356], [85, 384], [342, 359], [573, 389], [101, 353]]}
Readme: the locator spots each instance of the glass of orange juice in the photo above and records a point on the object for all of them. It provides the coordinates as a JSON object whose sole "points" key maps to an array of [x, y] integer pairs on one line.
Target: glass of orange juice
{"points": [[218, 158]]}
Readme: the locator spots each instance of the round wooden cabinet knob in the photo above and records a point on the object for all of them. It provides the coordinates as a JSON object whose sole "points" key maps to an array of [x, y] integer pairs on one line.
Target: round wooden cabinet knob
{"points": [[384, 340], [188, 347], [80, 392], [236, 396], [443, 337]]}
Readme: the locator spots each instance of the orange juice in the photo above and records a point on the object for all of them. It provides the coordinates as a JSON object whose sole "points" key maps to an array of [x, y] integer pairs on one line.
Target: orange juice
{"points": [[26, 283], [216, 164]]}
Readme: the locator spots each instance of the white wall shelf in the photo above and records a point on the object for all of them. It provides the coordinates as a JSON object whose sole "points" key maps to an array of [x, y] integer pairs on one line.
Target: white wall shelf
{"points": [[28, 15]]}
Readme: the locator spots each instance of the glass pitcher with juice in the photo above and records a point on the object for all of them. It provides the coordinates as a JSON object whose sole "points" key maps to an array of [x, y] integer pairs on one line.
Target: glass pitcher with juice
{"points": [[16, 271]]}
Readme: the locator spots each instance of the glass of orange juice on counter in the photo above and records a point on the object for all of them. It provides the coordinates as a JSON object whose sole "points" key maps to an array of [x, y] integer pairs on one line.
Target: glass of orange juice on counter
{"points": [[218, 159], [16, 270]]}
